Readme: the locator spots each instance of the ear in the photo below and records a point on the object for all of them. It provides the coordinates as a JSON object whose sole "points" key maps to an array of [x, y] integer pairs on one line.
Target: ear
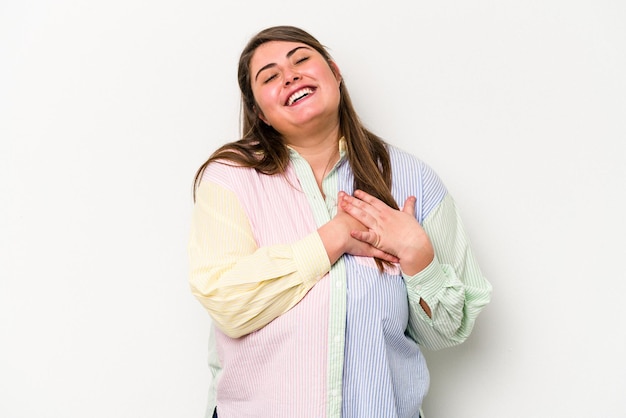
{"points": [[335, 69], [261, 116]]}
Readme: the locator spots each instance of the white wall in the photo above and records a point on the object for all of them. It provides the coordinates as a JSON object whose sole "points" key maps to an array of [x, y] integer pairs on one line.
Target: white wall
{"points": [[107, 109]]}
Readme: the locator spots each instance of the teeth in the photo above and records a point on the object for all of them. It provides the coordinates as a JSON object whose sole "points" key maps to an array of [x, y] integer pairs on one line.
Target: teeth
{"points": [[298, 95]]}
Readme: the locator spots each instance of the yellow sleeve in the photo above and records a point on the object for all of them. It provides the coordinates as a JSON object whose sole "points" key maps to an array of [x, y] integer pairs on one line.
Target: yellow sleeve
{"points": [[242, 286]]}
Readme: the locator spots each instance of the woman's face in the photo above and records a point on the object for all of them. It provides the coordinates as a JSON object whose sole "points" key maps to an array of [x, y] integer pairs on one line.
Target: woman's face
{"points": [[295, 88]]}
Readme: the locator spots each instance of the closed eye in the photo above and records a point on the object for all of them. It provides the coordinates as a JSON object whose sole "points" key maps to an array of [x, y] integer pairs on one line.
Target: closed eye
{"points": [[302, 60], [270, 78]]}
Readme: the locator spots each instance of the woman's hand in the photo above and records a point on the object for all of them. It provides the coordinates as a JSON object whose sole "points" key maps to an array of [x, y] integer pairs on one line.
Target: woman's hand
{"points": [[394, 232], [337, 236]]}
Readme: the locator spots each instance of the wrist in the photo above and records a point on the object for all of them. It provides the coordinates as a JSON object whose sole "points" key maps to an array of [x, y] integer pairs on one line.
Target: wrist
{"points": [[333, 239], [413, 261]]}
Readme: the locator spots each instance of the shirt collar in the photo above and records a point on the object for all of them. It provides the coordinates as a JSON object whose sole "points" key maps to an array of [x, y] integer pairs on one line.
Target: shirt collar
{"points": [[343, 150]]}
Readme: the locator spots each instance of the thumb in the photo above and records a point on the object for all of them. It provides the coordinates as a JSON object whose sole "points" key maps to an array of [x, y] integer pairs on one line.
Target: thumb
{"points": [[409, 205], [340, 197]]}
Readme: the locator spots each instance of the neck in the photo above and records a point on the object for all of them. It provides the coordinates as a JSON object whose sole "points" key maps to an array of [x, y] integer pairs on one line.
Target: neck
{"points": [[321, 152], [316, 143]]}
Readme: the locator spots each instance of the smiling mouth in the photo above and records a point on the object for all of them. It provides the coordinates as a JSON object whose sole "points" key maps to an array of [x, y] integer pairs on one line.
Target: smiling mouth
{"points": [[299, 95]]}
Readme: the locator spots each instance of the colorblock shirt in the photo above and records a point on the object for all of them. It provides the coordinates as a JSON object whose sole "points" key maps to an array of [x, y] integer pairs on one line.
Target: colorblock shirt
{"points": [[296, 337]]}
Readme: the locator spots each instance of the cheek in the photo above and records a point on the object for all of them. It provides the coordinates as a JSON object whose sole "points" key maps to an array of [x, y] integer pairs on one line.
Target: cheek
{"points": [[265, 99]]}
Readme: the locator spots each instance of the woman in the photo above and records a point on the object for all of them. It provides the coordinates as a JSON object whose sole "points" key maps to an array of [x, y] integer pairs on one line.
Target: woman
{"points": [[320, 287]]}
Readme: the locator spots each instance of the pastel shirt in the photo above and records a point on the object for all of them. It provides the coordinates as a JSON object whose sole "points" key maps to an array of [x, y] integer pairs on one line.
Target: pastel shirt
{"points": [[297, 337]]}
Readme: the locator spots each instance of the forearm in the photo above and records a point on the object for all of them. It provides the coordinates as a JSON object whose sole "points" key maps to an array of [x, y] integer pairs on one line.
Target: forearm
{"points": [[452, 286], [242, 286], [333, 239]]}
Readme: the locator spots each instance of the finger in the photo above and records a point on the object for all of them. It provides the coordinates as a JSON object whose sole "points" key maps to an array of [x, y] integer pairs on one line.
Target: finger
{"points": [[361, 204], [368, 198], [369, 237], [409, 205], [340, 198], [360, 212], [385, 256]]}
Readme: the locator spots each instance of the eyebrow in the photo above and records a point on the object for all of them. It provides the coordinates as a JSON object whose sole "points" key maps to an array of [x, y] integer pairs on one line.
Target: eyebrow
{"points": [[273, 64]]}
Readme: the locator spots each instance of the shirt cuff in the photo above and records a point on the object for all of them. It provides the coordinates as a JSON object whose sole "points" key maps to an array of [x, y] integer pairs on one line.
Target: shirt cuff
{"points": [[428, 282]]}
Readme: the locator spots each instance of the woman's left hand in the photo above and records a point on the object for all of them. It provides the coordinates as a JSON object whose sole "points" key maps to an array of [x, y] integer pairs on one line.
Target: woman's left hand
{"points": [[396, 232]]}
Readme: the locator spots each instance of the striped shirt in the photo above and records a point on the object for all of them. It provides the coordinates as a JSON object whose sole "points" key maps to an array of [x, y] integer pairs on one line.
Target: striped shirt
{"points": [[297, 337]]}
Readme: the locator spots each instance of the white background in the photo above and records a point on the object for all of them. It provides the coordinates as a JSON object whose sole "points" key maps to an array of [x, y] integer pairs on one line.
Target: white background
{"points": [[108, 108]]}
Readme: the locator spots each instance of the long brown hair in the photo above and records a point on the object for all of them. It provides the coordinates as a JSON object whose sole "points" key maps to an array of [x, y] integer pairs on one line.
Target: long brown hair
{"points": [[262, 148]]}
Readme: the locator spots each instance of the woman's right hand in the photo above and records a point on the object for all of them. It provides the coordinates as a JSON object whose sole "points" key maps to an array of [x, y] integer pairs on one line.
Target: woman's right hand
{"points": [[338, 240]]}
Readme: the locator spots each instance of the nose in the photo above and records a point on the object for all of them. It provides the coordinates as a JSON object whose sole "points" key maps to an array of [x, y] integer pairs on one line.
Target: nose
{"points": [[291, 78]]}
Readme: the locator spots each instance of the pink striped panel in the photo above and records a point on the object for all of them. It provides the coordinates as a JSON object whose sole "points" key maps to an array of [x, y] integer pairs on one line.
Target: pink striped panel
{"points": [[287, 359]]}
